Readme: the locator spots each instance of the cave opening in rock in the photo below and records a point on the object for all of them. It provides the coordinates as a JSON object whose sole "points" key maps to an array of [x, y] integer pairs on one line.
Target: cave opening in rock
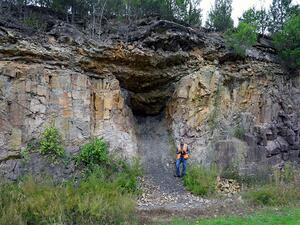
{"points": [[147, 98], [156, 149]]}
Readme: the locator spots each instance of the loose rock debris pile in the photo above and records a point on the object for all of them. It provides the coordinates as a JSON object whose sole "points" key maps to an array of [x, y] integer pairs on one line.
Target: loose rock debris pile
{"points": [[153, 197], [227, 186]]}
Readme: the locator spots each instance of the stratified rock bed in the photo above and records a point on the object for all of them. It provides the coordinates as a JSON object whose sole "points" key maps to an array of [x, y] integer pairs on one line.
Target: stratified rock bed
{"points": [[240, 113]]}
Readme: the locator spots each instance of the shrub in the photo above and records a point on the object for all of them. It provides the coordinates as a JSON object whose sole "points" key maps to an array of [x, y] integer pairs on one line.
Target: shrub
{"points": [[94, 152], [274, 195], [240, 39], [200, 180], [287, 42], [51, 142]]}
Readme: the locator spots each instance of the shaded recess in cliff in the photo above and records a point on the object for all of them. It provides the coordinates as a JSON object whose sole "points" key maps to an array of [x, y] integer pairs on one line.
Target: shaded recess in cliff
{"points": [[155, 57]]}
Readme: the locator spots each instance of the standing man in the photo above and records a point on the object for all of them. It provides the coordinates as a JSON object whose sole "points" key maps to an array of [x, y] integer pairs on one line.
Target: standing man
{"points": [[182, 154]]}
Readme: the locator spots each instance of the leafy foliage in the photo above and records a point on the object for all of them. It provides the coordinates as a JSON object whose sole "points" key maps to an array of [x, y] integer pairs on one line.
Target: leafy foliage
{"points": [[241, 38], [219, 17], [51, 142], [200, 180], [94, 152], [287, 42], [95, 13], [280, 12], [256, 18]]}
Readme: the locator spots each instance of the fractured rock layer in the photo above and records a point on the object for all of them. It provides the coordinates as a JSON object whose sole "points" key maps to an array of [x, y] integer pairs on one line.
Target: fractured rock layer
{"points": [[240, 113]]}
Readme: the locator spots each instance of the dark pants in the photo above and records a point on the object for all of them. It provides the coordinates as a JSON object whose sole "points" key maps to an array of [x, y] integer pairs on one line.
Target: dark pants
{"points": [[184, 162]]}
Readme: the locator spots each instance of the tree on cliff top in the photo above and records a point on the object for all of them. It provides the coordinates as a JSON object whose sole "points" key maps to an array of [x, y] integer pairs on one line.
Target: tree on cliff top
{"points": [[219, 17], [280, 12], [241, 38], [287, 42], [257, 18], [94, 14]]}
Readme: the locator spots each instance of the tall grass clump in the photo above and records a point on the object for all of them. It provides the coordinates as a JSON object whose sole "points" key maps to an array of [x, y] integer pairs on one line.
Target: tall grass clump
{"points": [[105, 194], [274, 195], [91, 201], [201, 180], [283, 189]]}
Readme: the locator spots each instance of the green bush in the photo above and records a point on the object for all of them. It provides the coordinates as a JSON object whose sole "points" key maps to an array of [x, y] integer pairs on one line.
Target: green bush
{"points": [[200, 180], [287, 42], [243, 37], [274, 195], [51, 142], [94, 152]]}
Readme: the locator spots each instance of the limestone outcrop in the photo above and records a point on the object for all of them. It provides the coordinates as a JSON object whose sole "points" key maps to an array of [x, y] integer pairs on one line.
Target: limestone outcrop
{"points": [[235, 112]]}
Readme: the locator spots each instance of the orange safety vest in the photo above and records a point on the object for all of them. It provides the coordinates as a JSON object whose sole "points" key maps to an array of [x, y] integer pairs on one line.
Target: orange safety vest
{"points": [[182, 152]]}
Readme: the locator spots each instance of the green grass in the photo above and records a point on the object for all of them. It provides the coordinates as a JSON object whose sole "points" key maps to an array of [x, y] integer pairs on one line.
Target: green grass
{"points": [[269, 217], [104, 195], [200, 180], [274, 195]]}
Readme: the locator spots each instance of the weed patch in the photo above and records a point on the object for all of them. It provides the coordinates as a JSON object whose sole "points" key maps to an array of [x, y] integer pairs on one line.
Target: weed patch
{"points": [[93, 200], [274, 195], [200, 180]]}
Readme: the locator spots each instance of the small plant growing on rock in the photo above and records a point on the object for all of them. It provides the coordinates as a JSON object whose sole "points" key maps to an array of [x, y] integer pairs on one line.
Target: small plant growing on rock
{"points": [[94, 152], [239, 132], [51, 142], [25, 154]]}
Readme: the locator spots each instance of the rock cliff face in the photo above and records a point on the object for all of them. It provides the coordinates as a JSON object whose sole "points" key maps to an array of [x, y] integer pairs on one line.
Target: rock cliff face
{"points": [[237, 113]]}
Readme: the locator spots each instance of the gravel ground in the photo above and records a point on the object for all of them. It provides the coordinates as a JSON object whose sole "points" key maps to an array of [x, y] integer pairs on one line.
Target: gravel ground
{"points": [[163, 195], [156, 148]]}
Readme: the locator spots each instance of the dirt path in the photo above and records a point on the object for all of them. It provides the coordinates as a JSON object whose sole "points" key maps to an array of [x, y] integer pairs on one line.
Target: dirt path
{"points": [[163, 195]]}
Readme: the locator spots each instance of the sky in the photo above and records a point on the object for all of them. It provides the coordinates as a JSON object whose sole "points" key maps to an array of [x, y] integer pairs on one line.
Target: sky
{"points": [[238, 7]]}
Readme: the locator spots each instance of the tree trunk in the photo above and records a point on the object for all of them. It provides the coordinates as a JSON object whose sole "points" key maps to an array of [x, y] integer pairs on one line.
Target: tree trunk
{"points": [[93, 21], [101, 16], [73, 11], [190, 12]]}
